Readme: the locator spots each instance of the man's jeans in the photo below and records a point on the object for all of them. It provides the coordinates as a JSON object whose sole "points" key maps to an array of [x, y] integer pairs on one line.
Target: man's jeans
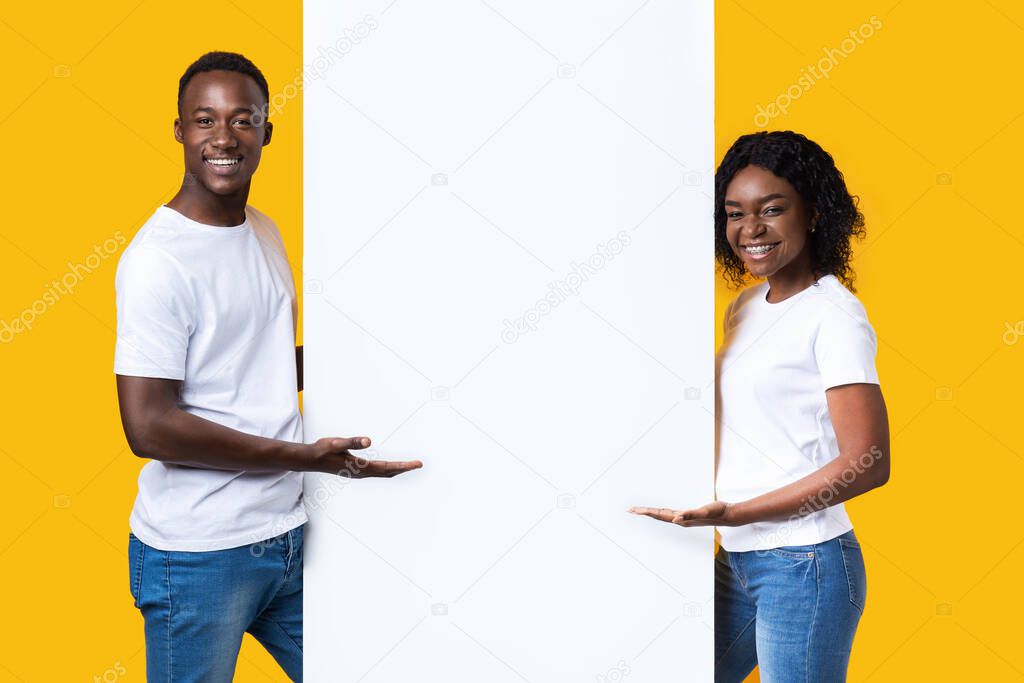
{"points": [[197, 606], [791, 611]]}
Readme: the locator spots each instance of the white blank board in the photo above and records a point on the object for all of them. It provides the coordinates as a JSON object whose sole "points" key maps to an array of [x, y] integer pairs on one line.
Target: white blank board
{"points": [[508, 274]]}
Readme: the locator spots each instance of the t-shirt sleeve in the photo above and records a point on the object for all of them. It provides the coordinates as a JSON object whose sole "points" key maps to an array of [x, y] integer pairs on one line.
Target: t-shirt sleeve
{"points": [[154, 316], [845, 347]]}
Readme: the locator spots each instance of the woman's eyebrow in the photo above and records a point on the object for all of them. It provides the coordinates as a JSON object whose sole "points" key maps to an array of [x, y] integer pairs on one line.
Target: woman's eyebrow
{"points": [[762, 200]]}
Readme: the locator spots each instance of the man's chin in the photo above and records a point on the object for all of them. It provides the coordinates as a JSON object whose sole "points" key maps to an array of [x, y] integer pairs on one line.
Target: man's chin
{"points": [[222, 186]]}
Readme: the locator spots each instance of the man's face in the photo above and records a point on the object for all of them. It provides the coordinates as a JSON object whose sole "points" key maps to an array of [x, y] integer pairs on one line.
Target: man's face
{"points": [[222, 130]]}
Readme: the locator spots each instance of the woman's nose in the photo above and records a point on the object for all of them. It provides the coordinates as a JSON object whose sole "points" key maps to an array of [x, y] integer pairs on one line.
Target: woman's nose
{"points": [[754, 228]]}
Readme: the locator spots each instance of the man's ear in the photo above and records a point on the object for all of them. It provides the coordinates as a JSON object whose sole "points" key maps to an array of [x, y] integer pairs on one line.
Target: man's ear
{"points": [[177, 131], [268, 130]]}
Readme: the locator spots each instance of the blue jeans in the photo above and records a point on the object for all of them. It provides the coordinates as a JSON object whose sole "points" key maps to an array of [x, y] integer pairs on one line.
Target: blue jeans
{"points": [[197, 606], [791, 611]]}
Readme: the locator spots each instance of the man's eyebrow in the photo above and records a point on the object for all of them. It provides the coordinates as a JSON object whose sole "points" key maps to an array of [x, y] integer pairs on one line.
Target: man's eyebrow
{"points": [[236, 110], [762, 200]]}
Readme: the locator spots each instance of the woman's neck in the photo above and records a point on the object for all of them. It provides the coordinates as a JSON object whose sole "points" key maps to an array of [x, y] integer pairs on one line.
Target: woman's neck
{"points": [[790, 280]]}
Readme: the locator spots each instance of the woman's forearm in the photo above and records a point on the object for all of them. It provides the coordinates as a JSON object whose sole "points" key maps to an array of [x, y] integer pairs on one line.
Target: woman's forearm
{"points": [[844, 478]]}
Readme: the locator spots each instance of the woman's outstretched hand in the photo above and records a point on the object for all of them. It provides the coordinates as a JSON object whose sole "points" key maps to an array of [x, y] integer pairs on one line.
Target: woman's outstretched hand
{"points": [[712, 514]]}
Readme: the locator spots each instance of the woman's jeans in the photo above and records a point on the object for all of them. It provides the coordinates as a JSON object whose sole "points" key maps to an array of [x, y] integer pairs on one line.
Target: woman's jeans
{"points": [[197, 606], [792, 611]]}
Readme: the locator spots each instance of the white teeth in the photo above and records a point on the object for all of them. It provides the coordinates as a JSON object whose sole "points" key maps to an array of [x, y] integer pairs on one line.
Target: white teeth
{"points": [[223, 162], [759, 249]]}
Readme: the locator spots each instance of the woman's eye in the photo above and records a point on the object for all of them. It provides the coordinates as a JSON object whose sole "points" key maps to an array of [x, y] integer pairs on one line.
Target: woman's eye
{"points": [[733, 215], [772, 210]]}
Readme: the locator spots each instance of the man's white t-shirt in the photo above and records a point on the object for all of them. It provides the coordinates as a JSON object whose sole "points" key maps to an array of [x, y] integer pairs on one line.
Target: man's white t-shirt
{"points": [[216, 308], [773, 368]]}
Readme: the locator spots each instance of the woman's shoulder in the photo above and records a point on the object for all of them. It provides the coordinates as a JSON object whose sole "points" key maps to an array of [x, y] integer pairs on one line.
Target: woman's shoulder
{"points": [[748, 294], [838, 301]]}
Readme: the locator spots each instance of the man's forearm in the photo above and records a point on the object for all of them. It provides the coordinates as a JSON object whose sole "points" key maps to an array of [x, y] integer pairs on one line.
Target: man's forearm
{"points": [[182, 438]]}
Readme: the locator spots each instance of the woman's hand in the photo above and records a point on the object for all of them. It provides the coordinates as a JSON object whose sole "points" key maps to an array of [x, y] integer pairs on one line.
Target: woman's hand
{"points": [[716, 513]]}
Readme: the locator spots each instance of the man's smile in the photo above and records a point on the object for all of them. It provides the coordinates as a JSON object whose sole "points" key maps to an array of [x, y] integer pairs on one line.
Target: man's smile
{"points": [[222, 162], [223, 165]]}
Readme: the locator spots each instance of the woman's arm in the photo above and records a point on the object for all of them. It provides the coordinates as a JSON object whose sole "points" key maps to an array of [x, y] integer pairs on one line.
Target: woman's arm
{"points": [[862, 432]]}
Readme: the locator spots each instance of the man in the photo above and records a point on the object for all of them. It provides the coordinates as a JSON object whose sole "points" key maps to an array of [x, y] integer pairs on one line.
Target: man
{"points": [[207, 379]]}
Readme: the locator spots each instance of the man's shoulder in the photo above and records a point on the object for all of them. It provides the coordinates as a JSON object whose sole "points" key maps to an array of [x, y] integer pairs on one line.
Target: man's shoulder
{"points": [[161, 232], [155, 247], [255, 215], [265, 228], [261, 222]]}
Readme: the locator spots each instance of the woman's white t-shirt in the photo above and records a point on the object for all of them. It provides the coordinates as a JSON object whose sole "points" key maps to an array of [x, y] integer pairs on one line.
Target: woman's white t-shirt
{"points": [[214, 307], [773, 368]]}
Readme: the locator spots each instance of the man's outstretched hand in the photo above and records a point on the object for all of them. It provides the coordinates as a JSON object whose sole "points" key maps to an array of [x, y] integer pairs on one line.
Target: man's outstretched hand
{"points": [[712, 514], [332, 455]]}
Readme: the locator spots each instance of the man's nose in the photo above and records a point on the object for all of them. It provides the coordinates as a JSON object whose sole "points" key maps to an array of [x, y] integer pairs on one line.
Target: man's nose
{"points": [[224, 137]]}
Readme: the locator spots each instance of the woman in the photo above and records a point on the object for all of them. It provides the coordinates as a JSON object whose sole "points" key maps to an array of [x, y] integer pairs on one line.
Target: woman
{"points": [[802, 425]]}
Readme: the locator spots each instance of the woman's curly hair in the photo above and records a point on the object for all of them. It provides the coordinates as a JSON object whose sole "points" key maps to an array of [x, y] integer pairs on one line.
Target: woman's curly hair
{"points": [[813, 173]]}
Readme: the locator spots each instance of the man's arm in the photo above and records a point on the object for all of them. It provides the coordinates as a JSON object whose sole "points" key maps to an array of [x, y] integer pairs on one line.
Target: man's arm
{"points": [[157, 428]]}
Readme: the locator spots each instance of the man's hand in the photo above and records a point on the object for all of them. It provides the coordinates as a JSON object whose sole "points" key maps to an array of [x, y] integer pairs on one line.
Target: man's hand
{"points": [[712, 514], [332, 455]]}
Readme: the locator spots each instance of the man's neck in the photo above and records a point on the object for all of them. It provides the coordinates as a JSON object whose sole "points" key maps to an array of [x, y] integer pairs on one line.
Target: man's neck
{"points": [[203, 206]]}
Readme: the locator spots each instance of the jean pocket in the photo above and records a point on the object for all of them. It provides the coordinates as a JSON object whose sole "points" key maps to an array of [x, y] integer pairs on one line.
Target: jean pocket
{"points": [[856, 577], [794, 552], [136, 555]]}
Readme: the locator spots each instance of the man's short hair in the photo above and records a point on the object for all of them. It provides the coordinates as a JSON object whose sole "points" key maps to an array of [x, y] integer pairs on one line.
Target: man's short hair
{"points": [[223, 61]]}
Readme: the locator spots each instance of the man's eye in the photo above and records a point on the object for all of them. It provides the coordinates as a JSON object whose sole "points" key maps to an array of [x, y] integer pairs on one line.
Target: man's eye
{"points": [[203, 122], [242, 122]]}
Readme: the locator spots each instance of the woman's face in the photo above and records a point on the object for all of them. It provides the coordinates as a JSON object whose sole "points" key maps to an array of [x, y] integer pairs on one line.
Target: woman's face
{"points": [[767, 223]]}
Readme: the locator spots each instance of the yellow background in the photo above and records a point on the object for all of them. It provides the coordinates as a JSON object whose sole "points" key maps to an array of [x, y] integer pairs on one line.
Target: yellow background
{"points": [[924, 118]]}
